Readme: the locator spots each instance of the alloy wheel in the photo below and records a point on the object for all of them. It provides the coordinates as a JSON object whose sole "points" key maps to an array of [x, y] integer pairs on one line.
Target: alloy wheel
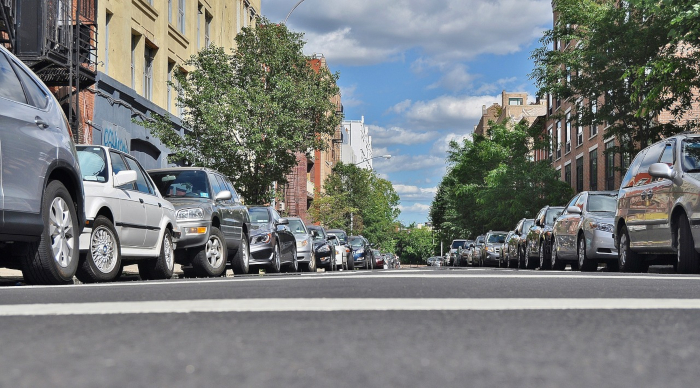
{"points": [[103, 249], [61, 232], [214, 251], [168, 252]]}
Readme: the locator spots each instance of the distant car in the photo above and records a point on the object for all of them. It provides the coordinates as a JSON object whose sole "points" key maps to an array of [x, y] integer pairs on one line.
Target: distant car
{"points": [[41, 188], [514, 248], [435, 261], [272, 243], [215, 224], [455, 248], [127, 219], [324, 251], [538, 247], [463, 257], [305, 252], [343, 241], [493, 243], [378, 258], [475, 253], [361, 252], [583, 233]]}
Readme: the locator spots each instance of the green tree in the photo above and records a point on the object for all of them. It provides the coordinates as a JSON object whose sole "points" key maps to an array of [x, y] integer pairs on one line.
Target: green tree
{"points": [[248, 112], [414, 245]]}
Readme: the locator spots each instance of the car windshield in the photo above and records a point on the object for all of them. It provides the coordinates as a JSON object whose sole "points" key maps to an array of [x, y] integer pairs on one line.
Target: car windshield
{"points": [[552, 214], [480, 240], [457, 243], [317, 234], [182, 183], [356, 242], [341, 235], [93, 164], [259, 215], [602, 203], [497, 238], [297, 227], [691, 154], [527, 224]]}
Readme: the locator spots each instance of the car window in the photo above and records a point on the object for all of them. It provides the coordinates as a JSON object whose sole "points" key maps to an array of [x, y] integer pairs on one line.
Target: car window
{"points": [[216, 185], [37, 96], [573, 201], [581, 201], [93, 164], [497, 238], [552, 214], [691, 155], [118, 165], [275, 215], [652, 156], [527, 224], [356, 242], [602, 203], [627, 180], [259, 215], [667, 154], [10, 85], [142, 183], [229, 187], [297, 227], [182, 183]]}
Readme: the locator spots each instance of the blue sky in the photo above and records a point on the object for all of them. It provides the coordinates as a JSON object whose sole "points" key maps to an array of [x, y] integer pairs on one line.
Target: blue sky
{"points": [[419, 71]]}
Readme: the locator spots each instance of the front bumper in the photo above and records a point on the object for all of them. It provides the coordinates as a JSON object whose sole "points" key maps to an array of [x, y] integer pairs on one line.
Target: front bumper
{"points": [[190, 235], [304, 256], [492, 257], [600, 245]]}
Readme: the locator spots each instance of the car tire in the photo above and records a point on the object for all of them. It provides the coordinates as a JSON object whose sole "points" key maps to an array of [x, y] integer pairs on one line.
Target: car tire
{"points": [[210, 260], [584, 264], [686, 256], [294, 265], [557, 264], [529, 264], [544, 263], [163, 266], [39, 263], [240, 263], [103, 260], [275, 266], [628, 260], [351, 262]]}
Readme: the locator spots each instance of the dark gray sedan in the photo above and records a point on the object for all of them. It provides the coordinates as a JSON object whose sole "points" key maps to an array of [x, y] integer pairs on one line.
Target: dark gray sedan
{"points": [[272, 243]]}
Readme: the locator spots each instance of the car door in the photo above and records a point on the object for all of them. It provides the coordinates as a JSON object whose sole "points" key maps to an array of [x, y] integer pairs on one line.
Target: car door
{"points": [[660, 197], [286, 237], [28, 139], [639, 222], [565, 230], [239, 212], [153, 205], [223, 206], [132, 217], [533, 236]]}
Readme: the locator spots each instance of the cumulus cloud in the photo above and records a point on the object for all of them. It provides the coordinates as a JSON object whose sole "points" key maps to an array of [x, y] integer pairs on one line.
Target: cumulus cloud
{"points": [[407, 163], [349, 96], [415, 193], [455, 79], [372, 31], [400, 107], [415, 208], [448, 111], [391, 136], [441, 146]]}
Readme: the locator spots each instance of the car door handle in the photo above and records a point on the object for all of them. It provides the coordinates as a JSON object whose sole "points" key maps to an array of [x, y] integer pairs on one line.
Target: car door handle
{"points": [[650, 194], [141, 200], [40, 122], [160, 204]]}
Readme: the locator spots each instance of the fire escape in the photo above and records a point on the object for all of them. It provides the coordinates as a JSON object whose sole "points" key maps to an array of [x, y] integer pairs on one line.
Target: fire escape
{"points": [[57, 39]]}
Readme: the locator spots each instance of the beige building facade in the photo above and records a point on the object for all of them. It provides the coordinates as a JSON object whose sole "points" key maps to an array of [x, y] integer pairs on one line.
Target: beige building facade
{"points": [[514, 107]]}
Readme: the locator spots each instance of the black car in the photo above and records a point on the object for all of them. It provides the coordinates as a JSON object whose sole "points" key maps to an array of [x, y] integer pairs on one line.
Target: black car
{"points": [[361, 252], [272, 243], [325, 252]]}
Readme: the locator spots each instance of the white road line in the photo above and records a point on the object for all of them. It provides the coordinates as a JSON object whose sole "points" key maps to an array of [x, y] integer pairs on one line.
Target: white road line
{"points": [[376, 275], [326, 305]]}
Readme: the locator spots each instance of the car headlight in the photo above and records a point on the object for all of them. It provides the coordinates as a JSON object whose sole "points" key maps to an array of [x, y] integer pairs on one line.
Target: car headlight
{"points": [[263, 238], [301, 244], [489, 249], [602, 226], [324, 248], [194, 213]]}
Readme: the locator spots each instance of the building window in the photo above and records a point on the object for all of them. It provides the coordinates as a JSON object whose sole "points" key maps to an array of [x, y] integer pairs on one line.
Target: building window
{"points": [[567, 136], [515, 101], [593, 170], [134, 43], [579, 131], [594, 123], [199, 25], [181, 15], [207, 29], [170, 11], [567, 174], [609, 166], [148, 73], [579, 174], [180, 108], [549, 149], [549, 103], [108, 19], [171, 66], [558, 145], [246, 13]]}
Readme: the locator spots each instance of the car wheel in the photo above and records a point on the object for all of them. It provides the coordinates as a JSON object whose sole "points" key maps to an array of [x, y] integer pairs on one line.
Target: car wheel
{"points": [[542, 264], [686, 256], [557, 264], [163, 266], [584, 264], [351, 262], [102, 262], [240, 263], [529, 264], [54, 258], [294, 265], [311, 265], [275, 265], [210, 260], [628, 260]]}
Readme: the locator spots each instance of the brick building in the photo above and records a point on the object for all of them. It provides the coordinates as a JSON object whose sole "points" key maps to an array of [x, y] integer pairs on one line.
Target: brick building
{"points": [[514, 107]]}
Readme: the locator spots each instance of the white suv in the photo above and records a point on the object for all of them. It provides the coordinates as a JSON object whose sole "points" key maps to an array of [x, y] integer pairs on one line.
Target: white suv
{"points": [[127, 219]]}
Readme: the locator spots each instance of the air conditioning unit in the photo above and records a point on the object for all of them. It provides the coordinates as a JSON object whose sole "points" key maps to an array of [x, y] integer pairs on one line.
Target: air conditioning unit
{"points": [[281, 206]]}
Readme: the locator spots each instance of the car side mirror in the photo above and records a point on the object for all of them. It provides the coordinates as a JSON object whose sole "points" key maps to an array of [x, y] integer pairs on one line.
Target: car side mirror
{"points": [[282, 221], [124, 177], [573, 210], [662, 170], [224, 195]]}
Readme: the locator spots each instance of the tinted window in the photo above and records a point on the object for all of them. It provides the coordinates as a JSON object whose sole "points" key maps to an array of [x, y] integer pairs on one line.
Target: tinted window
{"points": [[497, 238], [356, 242], [627, 181], [118, 164], [527, 224], [182, 183], [551, 215], [259, 215], [457, 243], [9, 83], [691, 155], [38, 98], [93, 164], [317, 233], [142, 184]]}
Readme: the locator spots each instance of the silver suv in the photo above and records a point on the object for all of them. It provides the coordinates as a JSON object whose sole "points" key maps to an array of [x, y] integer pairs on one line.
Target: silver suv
{"points": [[658, 208], [41, 194]]}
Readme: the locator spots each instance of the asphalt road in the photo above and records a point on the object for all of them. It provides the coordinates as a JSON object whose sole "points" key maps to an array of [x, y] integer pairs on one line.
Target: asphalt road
{"points": [[389, 328]]}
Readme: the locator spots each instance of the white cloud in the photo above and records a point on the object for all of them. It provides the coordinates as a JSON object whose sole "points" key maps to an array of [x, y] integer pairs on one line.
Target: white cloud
{"points": [[373, 31], [448, 111], [415, 208], [455, 79], [400, 107], [497, 86], [415, 193], [407, 163], [441, 146], [349, 97], [390, 136]]}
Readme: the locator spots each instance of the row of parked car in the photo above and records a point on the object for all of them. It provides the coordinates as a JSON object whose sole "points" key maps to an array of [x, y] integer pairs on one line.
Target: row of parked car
{"points": [[653, 219], [89, 210]]}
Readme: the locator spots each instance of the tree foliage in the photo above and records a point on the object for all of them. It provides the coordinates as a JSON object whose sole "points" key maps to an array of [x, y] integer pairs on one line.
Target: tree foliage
{"points": [[414, 245], [246, 113], [492, 183], [362, 203], [611, 49]]}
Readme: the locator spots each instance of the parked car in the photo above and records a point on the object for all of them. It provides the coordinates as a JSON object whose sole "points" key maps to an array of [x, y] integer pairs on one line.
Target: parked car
{"points": [[493, 243], [435, 261], [475, 253], [505, 251], [538, 246], [515, 244], [463, 257], [343, 241], [455, 248], [340, 258], [272, 243], [378, 258], [361, 252], [324, 251], [658, 207], [127, 219], [215, 224], [305, 253], [583, 233], [42, 200]]}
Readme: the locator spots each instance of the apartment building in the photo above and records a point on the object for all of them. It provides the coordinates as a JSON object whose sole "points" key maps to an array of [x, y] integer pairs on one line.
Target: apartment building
{"points": [[141, 43], [357, 143], [514, 107]]}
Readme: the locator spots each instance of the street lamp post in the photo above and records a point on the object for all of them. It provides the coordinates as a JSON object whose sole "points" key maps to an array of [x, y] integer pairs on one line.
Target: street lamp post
{"points": [[290, 12], [366, 160]]}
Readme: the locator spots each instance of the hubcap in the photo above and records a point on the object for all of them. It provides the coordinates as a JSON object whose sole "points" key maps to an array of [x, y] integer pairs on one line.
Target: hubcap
{"points": [[623, 250], [581, 252], [168, 252], [277, 256], [244, 254], [103, 249], [61, 232], [678, 246], [214, 251], [542, 255]]}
